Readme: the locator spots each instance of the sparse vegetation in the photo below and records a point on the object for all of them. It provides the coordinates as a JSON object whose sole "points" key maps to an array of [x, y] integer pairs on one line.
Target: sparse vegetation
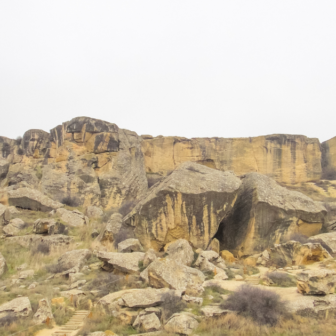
{"points": [[71, 201], [171, 305], [263, 306], [281, 279], [41, 248]]}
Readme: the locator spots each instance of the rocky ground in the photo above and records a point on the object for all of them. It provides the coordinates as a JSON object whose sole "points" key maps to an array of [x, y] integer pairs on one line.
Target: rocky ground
{"points": [[95, 241]]}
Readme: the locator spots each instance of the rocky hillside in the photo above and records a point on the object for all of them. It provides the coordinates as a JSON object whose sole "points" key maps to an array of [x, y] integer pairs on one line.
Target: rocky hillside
{"points": [[141, 234]]}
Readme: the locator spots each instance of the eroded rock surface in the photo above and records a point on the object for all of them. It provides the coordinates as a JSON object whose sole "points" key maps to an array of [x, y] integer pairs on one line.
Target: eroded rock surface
{"points": [[316, 282], [189, 203], [170, 274], [19, 307], [266, 214]]}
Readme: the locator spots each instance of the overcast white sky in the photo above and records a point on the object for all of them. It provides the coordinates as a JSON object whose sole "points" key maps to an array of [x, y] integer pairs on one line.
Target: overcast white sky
{"points": [[188, 68]]}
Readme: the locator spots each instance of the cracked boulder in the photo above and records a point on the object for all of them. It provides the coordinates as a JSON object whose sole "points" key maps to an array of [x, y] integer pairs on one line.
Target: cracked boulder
{"points": [[266, 214], [181, 323], [189, 203], [32, 199], [19, 307], [170, 274], [180, 251], [124, 262], [316, 282]]}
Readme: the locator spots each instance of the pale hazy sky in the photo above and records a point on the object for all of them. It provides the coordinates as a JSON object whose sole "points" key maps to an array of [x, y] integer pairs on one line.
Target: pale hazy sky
{"points": [[189, 68]]}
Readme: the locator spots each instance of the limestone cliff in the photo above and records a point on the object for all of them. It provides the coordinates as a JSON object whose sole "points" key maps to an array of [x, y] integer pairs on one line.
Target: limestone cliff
{"points": [[89, 160], [285, 158]]}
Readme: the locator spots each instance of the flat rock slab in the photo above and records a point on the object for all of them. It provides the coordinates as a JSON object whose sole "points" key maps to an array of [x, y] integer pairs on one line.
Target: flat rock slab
{"points": [[32, 199]]}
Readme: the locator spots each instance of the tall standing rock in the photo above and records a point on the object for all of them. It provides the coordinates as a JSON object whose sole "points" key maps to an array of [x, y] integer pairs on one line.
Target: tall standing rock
{"points": [[189, 203], [266, 214]]}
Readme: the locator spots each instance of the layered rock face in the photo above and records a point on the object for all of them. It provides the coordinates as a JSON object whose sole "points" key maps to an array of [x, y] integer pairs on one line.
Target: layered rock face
{"points": [[285, 158], [189, 203], [89, 160], [266, 214]]}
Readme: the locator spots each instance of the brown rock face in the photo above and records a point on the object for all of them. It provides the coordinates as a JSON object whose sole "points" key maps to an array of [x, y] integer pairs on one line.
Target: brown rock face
{"points": [[89, 160], [286, 158], [266, 214], [189, 203]]}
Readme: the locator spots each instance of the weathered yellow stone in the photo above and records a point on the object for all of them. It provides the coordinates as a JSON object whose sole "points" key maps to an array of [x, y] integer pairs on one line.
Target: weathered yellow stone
{"points": [[58, 301], [227, 256], [286, 158]]}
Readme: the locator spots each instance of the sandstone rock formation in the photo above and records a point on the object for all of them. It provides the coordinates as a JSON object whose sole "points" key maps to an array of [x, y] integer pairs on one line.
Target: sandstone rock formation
{"points": [[189, 203], [286, 158], [295, 253], [123, 262], [3, 265], [316, 282], [13, 227], [43, 313], [32, 199], [181, 323], [19, 307], [180, 251], [328, 240], [73, 259], [130, 245], [265, 214], [111, 230], [166, 273]]}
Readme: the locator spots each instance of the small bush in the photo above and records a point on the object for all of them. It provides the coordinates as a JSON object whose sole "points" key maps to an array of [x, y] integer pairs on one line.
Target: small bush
{"points": [[41, 248], [62, 314], [263, 306], [127, 207], [299, 238], [7, 320], [55, 268], [105, 283], [71, 201], [171, 304], [281, 279]]}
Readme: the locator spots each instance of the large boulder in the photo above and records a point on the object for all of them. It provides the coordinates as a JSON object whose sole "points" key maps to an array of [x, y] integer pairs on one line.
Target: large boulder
{"points": [[170, 274], [266, 213], [94, 211], [43, 313], [73, 218], [129, 245], [32, 199], [189, 203], [316, 282], [102, 164], [181, 323], [111, 230], [147, 322], [4, 167], [150, 256], [327, 240], [3, 265], [49, 226], [13, 227], [57, 240], [180, 251], [295, 253], [19, 307], [144, 298], [123, 262], [73, 259]]}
